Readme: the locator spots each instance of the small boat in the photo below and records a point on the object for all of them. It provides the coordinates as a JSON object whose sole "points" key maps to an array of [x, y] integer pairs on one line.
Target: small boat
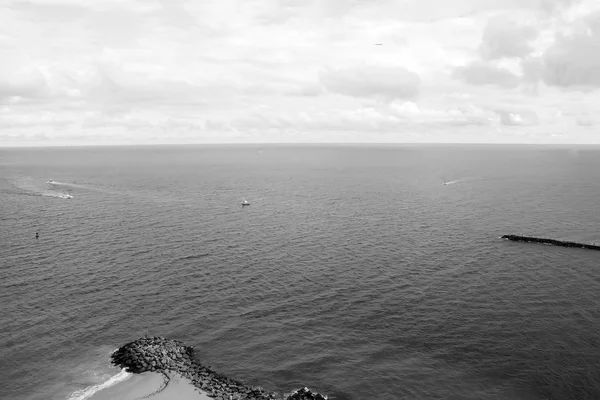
{"points": [[50, 182], [245, 203]]}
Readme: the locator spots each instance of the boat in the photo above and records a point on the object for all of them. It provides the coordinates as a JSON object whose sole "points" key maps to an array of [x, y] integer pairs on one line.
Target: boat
{"points": [[245, 203], [50, 182]]}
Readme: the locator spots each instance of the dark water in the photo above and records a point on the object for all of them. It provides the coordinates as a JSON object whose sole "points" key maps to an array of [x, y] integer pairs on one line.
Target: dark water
{"points": [[354, 271]]}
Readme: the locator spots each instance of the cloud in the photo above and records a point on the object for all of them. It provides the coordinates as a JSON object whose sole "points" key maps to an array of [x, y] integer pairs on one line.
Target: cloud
{"points": [[260, 70], [554, 6], [47, 118], [563, 53], [287, 89], [586, 121], [574, 59], [397, 116], [518, 118], [61, 11], [484, 73], [381, 82], [504, 37], [27, 84]]}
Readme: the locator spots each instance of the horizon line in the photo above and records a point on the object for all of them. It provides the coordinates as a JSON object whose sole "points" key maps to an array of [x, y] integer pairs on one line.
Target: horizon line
{"points": [[2, 146]]}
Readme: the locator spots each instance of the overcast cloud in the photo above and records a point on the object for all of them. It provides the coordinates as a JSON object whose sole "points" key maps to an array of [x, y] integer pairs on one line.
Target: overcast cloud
{"points": [[176, 71]]}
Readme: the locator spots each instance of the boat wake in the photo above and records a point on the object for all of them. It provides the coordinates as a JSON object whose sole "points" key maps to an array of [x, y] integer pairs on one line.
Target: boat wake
{"points": [[56, 195], [28, 187], [48, 194], [74, 185], [455, 181]]}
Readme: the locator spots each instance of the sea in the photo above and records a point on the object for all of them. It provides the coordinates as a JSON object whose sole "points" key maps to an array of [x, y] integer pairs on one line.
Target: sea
{"points": [[354, 271]]}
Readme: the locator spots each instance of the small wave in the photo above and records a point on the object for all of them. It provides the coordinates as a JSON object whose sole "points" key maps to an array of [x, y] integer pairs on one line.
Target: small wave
{"points": [[90, 390], [47, 194], [58, 195], [163, 386], [57, 183], [194, 256]]}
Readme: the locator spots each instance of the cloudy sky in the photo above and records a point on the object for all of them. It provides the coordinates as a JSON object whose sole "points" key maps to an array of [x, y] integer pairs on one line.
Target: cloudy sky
{"points": [[226, 71]]}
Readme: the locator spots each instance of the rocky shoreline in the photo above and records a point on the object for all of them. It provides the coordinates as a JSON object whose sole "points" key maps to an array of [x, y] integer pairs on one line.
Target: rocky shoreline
{"points": [[157, 354]]}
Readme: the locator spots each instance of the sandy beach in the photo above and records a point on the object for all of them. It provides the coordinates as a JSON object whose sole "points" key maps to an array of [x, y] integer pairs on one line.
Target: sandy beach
{"points": [[151, 385]]}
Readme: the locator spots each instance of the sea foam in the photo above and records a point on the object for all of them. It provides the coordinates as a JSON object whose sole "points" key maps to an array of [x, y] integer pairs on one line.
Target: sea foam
{"points": [[86, 393]]}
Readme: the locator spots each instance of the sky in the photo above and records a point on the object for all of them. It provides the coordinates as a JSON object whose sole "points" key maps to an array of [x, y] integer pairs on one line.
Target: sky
{"points": [[79, 72]]}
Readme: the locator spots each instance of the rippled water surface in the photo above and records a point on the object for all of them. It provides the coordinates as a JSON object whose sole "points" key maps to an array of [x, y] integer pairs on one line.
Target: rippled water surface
{"points": [[354, 271]]}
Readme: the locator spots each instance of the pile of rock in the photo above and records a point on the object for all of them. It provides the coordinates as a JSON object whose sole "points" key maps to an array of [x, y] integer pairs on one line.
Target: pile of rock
{"points": [[305, 394], [157, 354], [555, 242], [154, 354]]}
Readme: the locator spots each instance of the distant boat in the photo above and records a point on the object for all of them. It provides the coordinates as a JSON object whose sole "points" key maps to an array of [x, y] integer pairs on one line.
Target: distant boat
{"points": [[51, 182], [245, 203]]}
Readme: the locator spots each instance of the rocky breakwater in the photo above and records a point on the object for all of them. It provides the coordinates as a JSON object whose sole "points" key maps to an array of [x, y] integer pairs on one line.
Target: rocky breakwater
{"points": [[157, 354], [554, 242], [305, 394]]}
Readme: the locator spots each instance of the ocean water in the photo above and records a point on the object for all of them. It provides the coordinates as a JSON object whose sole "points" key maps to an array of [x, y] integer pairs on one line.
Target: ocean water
{"points": [[354, 271]]}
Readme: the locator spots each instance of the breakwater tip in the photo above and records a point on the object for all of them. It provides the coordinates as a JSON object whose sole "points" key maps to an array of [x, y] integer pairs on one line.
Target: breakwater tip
{"points": [[158, 354]]}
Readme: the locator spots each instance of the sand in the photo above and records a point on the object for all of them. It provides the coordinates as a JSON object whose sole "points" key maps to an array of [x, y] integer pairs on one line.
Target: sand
{"points": [[151, 385]]}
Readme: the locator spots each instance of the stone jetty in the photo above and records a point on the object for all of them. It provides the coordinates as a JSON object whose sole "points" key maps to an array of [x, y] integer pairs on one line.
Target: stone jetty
{"points": [[305, 394], [554, 242], [157, 354]]}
